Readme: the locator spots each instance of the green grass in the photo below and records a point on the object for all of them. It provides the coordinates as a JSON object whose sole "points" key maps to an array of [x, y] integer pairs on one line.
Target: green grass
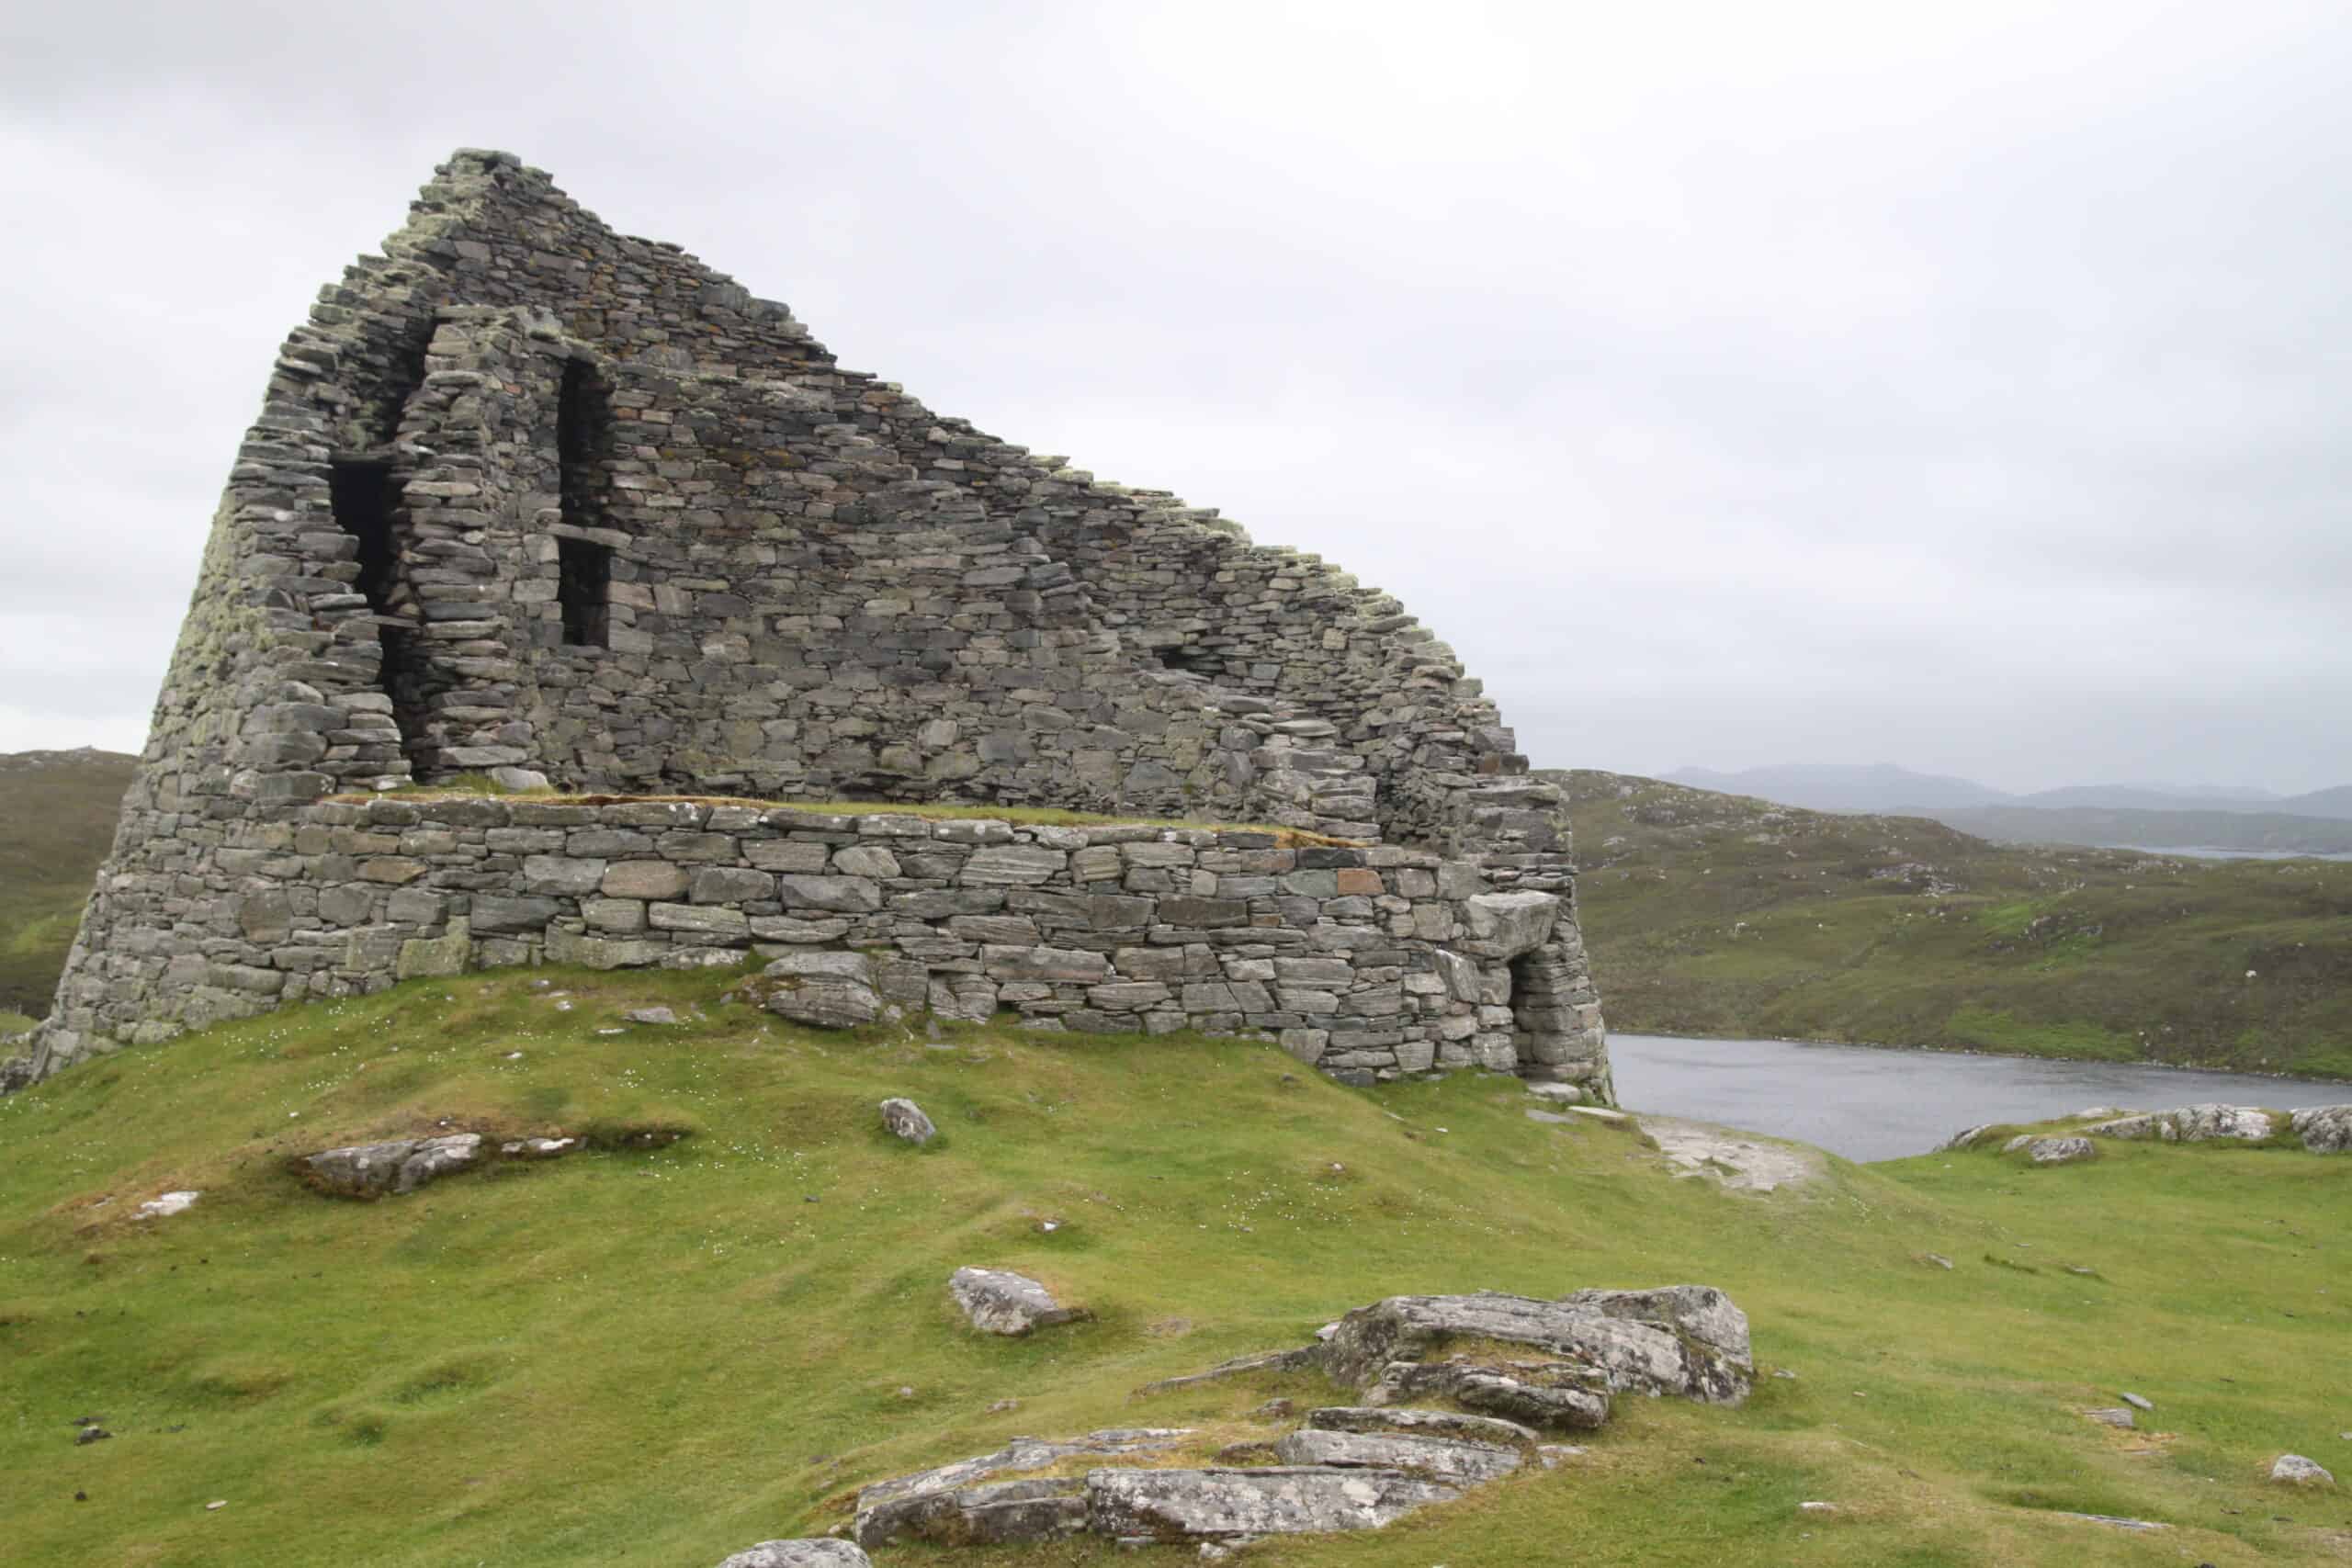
{"points": [[661, 1356], [56, 820], [1717, 915]]}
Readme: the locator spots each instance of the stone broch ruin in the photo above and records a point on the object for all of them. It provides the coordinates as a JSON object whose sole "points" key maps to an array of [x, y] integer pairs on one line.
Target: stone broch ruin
{"points": [[529, 497]]}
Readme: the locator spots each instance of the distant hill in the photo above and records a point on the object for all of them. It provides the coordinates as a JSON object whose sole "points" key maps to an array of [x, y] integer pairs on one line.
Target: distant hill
{"points": [[2157, 816], [57, 818], [1831, 786], [2152, 798], [2265, 832], [2336, 803], [1717, 915]]}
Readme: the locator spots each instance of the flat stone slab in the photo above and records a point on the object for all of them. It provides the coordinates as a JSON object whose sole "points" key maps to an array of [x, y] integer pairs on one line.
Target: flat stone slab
{"points": [[1447, 1459], [1739, 1160], [1001, 1301], [370, 1170], [1219, 1505], [1419, 1423], [799, 1554], [940, 1504]]}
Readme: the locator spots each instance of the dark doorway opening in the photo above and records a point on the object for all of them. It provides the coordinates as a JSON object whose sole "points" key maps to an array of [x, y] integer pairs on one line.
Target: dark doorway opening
{"points": [[584, 579], [1189, 659], [361, 492]]}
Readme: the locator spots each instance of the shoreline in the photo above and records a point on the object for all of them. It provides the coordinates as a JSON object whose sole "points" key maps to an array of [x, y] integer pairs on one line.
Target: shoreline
{"points": [[1980, 1051]]}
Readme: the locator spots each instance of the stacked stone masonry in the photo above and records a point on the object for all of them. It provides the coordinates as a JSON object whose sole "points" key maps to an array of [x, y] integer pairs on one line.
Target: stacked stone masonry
{"points": [[529, 494]]}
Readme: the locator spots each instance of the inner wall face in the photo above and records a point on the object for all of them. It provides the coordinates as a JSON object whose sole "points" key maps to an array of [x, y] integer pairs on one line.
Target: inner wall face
{"points": [[531, 498]]}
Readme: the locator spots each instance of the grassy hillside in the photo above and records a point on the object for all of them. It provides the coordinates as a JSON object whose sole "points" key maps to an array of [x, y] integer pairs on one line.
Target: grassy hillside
{"points": [[657, 1358], [57, 818], [1720, 915]]}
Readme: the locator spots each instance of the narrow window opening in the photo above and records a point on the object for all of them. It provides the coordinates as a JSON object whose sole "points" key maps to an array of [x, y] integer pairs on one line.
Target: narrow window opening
{"points": [[585, 573], [581, 419], [1189, 659], [361, 493]]}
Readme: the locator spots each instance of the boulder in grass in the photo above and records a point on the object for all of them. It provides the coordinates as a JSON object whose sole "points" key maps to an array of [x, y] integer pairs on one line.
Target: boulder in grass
{"points": [[2300, 1472], [2324, 1129], [403, 1165], [1001, 1301], [906, 1120], [2060, 1151]]}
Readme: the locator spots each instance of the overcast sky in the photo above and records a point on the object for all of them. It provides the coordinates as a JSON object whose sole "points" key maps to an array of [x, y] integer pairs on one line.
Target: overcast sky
{"points": [[1957, 384]]}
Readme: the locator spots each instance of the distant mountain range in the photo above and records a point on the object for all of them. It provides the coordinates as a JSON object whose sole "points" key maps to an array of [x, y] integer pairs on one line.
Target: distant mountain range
{"points": [[2155, 816]]}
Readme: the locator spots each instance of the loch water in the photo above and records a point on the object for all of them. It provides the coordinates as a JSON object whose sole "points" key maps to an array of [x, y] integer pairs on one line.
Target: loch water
{"points": [[1870, 1103]]}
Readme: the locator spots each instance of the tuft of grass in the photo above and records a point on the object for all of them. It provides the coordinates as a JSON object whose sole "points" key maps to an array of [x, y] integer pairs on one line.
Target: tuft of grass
{"points": [[465, 786], [56, 821], [660, 1355]]}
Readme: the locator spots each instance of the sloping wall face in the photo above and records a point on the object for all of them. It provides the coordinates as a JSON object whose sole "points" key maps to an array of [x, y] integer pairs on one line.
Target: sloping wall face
{"points": [[528, 494]]}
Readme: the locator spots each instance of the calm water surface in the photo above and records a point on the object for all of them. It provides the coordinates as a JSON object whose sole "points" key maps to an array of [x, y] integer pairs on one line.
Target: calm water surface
{"points": [[1870, 1103]]}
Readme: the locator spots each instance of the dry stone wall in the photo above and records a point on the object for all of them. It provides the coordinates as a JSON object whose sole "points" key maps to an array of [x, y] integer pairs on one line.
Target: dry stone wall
{"points": [[1368, 962], [529, 494]]}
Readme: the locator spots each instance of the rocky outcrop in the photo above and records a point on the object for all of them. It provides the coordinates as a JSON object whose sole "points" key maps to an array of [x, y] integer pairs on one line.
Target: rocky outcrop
{"points": [[2324, 1129], [1232, 1505], [2052, 1151], [1688, 1340], [403, 1165], [799, 1554], [2190, 1124], [963, 1503], [1349, 1467], [1001, 1301]]}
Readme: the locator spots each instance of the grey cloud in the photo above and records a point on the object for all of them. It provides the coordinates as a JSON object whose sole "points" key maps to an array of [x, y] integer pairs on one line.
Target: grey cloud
{"points": [[1830, 383]]}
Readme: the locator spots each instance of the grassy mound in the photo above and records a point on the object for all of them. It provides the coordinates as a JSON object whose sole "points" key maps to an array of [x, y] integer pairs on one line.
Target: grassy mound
{"points": [[662, 1356], [1718, 915]]}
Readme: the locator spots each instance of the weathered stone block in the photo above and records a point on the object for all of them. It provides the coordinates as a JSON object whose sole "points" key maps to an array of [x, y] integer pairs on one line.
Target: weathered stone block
{"points": [[644, 879], [846, 894]]}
